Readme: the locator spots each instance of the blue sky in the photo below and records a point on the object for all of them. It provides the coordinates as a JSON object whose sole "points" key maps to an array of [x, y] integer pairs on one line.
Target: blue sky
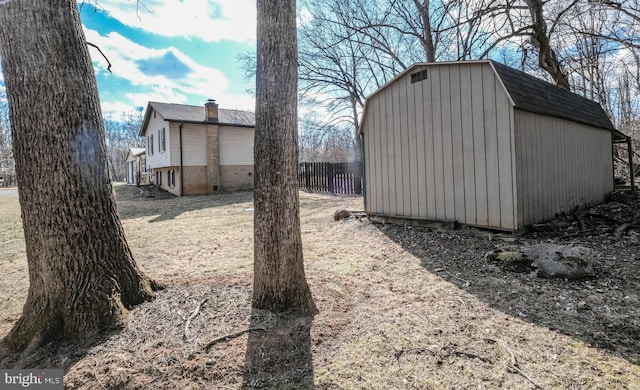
{"points": [[170, 51], [174, 51]]}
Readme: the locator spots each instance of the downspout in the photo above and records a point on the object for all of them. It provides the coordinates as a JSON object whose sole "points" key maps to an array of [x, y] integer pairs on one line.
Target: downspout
{"points": [[181, 164]]}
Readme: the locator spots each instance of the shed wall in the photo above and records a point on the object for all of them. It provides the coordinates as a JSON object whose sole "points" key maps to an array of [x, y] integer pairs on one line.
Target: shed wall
{"points": [[441, 148], [561, 165]]}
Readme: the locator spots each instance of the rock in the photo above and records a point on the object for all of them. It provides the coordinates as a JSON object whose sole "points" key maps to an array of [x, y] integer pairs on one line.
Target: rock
{"points": [[341, 214], [509, 259], [561, 261]]}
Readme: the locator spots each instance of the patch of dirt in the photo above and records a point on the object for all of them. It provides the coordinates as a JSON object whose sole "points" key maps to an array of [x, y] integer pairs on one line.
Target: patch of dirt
{"points": [[603, 311], [401, 307]]}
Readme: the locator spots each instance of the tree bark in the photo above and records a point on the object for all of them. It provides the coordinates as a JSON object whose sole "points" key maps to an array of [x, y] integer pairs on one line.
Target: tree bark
{"points": [[427, 37], [279, 278], [81, 272], [547, 58]]}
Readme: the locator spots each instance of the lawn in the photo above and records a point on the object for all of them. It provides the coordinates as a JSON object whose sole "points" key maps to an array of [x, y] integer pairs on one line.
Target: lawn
{"points": [[400, 307]]}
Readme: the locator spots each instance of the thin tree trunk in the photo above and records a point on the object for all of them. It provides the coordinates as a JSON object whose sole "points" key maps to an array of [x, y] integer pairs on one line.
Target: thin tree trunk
{"points": [[279, 278], [81, 272], [547, 58], [427, 37]]}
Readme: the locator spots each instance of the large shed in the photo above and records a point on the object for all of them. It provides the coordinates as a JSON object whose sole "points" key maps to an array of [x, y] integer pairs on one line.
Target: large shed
{"points": [[482, 144]]}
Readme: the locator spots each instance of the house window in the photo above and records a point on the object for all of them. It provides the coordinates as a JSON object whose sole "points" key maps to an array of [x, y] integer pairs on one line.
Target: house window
{"points": [[162, 145], [150, 144], [172, 178], [144, 164], [159, 178], [418, 76]]}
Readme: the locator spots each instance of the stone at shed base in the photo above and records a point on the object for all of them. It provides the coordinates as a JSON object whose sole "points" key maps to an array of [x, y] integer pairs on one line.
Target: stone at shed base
{"points": [[509, 259], [562, 261]]}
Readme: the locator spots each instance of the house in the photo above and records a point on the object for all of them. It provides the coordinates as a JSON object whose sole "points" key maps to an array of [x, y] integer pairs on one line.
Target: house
{"points": [[198, 149], [482, 144], [136, 166]]}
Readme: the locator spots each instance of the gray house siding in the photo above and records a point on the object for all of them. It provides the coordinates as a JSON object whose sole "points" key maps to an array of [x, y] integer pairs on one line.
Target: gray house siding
{"points": [[466, 144]]}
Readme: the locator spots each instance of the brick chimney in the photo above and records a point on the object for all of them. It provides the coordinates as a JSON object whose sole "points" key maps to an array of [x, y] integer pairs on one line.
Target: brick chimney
{"points": [[211, 110]]}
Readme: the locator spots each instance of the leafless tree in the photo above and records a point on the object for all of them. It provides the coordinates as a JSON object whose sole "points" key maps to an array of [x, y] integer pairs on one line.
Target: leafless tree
{"points": [[122, 134], [82, 275], [7, 165], [279, 282]]}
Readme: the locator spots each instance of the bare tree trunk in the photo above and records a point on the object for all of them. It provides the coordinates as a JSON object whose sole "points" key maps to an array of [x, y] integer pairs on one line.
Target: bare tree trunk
{"points": [[279, 279], [81, 272], [427, 38], [547, 58]]}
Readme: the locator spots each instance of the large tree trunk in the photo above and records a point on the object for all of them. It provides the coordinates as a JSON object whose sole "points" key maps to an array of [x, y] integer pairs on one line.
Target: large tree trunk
{"points": [[279, 279], [81, 272]]}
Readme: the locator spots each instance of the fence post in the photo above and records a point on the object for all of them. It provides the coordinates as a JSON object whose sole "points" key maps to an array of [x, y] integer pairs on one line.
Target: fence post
{"points": [[334, 178], [331, 176], [357, 178]]}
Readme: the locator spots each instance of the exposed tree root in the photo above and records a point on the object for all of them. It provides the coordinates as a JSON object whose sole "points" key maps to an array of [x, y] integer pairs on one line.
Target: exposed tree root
{"points": [[515, 367], [187, 322], [232, 336]]}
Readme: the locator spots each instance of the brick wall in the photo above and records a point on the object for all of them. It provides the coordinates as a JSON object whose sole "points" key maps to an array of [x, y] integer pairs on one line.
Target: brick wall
{"points": [[236, 177]]}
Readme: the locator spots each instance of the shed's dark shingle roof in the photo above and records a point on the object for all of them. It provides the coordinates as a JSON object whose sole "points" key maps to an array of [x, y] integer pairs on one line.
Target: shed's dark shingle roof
{"points": [[532, 94], [186, 113]]}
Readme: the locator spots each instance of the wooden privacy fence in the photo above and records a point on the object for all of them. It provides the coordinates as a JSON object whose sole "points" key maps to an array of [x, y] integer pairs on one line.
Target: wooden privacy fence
{"points": [[334, 178]]}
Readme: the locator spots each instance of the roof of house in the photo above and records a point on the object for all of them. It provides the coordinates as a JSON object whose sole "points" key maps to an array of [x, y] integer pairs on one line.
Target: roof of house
{"points": [[529, 93], [137, 151], [196, 114]]}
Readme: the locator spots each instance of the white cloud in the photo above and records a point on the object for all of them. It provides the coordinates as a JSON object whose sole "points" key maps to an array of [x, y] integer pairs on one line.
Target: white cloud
{"points": [[125, 56], [210, 20]]}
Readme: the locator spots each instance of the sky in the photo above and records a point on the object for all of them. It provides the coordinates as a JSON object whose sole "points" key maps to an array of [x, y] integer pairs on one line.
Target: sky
{"points": [[174, 51]]}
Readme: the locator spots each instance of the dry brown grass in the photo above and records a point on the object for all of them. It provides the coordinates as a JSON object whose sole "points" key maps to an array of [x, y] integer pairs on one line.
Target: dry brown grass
{"points": [[401, 308]]}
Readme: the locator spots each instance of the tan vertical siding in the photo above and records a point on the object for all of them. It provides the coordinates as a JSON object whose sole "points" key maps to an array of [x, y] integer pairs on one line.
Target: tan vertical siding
{"points": [[466, 107], [479, 149], [447, 143], [429, 141], [491, 146], [402, 137], [374, 143], [438, 163], [369, 158], [506, 160], [564, 164], [397, 189], [441, 148], [412, 162], [457, 143], [423, 193], [389, 183]]}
